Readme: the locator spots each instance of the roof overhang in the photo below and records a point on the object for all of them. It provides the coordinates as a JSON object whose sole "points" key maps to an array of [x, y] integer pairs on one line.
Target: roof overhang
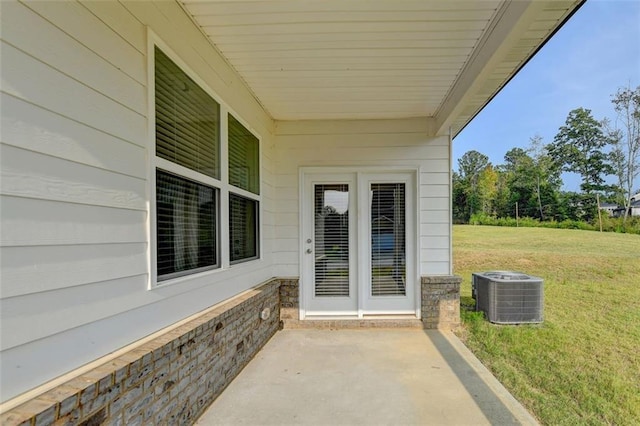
{"points": [[374, 59]]}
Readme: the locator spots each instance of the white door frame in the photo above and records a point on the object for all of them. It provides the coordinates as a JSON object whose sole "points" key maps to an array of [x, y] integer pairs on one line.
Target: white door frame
{"points": [[363, 177]]}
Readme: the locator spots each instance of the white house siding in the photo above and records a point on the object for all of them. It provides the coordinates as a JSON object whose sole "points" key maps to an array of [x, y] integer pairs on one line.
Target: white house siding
{"points": [[403, 142], [74, 205]]}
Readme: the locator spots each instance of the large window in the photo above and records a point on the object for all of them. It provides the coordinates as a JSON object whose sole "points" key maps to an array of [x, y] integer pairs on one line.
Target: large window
{"points": [[191, 195]]}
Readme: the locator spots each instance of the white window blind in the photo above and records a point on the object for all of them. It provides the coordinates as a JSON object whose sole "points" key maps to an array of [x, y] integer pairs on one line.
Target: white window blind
{"points": [[186, 226], [187, 120], [388, 247], [331, 240]]}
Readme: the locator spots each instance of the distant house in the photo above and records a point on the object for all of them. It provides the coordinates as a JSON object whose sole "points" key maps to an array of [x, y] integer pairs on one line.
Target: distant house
{"points": [[610, 208], [165, 163], [634, 207]]}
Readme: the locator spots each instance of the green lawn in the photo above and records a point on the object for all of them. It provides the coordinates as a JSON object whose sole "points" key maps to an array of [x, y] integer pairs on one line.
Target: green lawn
{"points": [[582, 365]]}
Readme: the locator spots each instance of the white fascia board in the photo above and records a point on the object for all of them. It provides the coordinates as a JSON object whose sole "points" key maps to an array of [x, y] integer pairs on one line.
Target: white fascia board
{"points": [[511, 20]]}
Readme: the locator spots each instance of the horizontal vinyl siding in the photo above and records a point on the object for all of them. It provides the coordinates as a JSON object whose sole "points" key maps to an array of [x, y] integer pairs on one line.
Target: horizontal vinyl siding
{"points": [[377, 143], [48, 132], [74, 164], [30, 174]]}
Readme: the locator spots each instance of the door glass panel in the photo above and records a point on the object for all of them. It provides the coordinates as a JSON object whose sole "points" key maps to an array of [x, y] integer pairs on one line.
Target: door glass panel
{"points": [[331, 257], [388, 257]]}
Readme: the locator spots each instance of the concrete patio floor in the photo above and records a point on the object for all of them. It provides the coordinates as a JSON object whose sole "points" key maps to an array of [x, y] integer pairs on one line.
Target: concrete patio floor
{"points": [[365, 377]]}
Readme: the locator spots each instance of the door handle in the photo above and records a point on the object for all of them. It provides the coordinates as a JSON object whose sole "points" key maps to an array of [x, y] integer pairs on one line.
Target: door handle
{"points": [[309, 251]]}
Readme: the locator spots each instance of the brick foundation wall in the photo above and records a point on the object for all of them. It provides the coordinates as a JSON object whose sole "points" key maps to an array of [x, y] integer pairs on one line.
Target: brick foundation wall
{"points": [[441, 301], [289, 303], [171, 379]]}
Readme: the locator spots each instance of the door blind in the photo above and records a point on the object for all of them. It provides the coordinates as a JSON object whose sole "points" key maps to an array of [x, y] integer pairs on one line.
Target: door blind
{"points": [[331, 261], [388, 257]]}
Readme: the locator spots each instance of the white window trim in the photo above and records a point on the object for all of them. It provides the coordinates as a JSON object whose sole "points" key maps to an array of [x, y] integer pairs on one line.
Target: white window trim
{"points": [[222, 184]]}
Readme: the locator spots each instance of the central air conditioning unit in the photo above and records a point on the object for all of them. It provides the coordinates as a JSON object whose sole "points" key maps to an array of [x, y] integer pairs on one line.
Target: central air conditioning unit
{"points": [[508, 297]]}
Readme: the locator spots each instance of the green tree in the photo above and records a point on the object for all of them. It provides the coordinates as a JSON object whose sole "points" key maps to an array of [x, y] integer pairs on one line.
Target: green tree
{"points": [[625, 136], [513, 158], [487, 190], [532, 181], [503, 206], [460, 190], [470, 167], [575, 206], [518, 169], [579, 147], [546, 177]]}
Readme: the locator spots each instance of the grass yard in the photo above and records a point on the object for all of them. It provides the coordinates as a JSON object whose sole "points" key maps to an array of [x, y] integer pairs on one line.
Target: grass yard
{"points": [[582, 365]]}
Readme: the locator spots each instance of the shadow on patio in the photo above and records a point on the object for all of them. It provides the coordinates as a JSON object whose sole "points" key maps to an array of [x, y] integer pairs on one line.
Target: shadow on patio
{"points": [[357, 377]]}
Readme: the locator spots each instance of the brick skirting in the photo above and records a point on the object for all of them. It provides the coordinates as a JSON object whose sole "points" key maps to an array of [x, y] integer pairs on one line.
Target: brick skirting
{"points": [[173, 378], [441, 301]]}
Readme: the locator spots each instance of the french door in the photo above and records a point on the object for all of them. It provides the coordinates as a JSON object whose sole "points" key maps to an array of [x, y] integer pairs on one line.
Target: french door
{"points": [[358, 244]]}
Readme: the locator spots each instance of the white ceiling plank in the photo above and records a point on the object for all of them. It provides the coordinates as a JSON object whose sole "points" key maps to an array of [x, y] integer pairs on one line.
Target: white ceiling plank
{"points": [[351, 53], [241, 7], [333, 96], [267, 46], [343, 27], [337, 74], [354, 82], [360, 64], [226, 20], [443, 35], [415, 61]]}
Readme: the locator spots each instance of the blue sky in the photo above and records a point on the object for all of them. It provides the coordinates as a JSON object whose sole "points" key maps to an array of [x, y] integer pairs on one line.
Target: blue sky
{"points": [[592, 55]]}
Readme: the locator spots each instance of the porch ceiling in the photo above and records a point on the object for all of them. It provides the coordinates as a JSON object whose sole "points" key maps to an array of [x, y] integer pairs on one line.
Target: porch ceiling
{"points": [[364, 59]]}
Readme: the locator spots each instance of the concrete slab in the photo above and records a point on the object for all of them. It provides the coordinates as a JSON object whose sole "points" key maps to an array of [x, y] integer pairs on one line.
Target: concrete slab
{"points": [[365, 377]]}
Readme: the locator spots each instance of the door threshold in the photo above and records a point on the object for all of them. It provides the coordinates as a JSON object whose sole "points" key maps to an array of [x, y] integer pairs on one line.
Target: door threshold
{"points": [[312, 317], [352, 321]]}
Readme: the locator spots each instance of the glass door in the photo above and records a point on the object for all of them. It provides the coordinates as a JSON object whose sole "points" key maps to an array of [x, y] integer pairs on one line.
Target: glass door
{"points": [[388, 245], [358, 247], [329, 255]]}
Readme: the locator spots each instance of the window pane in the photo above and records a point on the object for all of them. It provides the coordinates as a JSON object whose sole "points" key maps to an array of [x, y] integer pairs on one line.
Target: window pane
{"points": [[388, 257], [243, 157], [243, 228], [186, 226], [187, 120], [331, 262]]}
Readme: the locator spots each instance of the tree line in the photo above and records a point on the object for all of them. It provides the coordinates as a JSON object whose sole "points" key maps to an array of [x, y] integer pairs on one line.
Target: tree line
{"points": [[529, 182]]}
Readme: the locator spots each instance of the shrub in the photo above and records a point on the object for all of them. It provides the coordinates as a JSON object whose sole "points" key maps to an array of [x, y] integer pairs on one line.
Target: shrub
{"points": [[609, 224]]}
